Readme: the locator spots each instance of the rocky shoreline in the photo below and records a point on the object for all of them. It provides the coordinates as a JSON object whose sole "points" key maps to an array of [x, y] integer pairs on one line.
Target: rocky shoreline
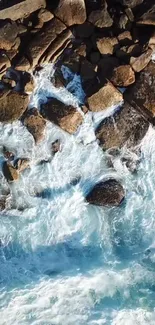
{"points": [[109, 44]]}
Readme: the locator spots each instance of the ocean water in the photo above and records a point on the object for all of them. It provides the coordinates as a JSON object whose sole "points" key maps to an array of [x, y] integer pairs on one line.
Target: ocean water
{"points": [[62, 261]]}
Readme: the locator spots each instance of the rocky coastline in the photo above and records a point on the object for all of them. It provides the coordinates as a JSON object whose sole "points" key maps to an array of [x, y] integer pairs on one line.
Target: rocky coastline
{"points": [[110, 44]]}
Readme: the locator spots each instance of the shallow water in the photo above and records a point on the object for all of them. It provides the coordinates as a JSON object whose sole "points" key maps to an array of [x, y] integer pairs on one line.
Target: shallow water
{"points": [[62, 261]]}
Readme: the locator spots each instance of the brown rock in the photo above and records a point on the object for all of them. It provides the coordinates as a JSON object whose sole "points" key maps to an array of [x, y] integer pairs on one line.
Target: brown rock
{"points": [[142, 94], [10, 173], [4, 62], [125, 38], [106, 193], [126, 127], [139, 63], [123, 76], [48, 34], [85, 30], [44, 15], [106, 97], [8, 34], [81, 50], [101, 18], [107, 45], [65, 116], [35, 125], [12, 106], [22, 164], [8, 154], [124, 22], [131, 3], [148, 18], [2, 202], [71, 12], [22, 9], [129, 14]]}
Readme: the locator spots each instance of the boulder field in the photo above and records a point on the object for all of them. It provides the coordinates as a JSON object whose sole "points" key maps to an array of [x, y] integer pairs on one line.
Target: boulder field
{"points": [[109, 43]]}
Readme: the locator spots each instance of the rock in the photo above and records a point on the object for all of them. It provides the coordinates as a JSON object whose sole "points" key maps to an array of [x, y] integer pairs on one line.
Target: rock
{"points": [[2, 202], [95, 57], [142, 94], [10, 83], [48, 34], [12, 106], [71, 12], [35, 125], [104, 98], [85, 30], [8, 35], [10, 173], [4, 62], [22, 163], [8, 154], [87, 70], [81, 50], [45, 15], [107, 193], [125, 38], [127, 127], [131, 3], [56, 146], [23, 64], [123, 76], [139, 63], [65, 116], [22, 9], [107, 45], [148, 18], [58, 79], [125, 52], [124, 22], [129, 14], [106, 66], [101, 18]]}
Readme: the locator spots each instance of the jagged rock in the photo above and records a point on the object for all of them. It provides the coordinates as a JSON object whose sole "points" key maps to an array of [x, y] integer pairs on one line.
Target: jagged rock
{"points": [[107, 193], [10, 172], [48, 34], [85, 30], [56, 146], [12, 105], [123, 76], [139, 63], [22, 163], [124, 22], [142, 93], [129, 14], [22, 9], [45, 15], [107, 45], [35, 125], [81, 50], [71, 12], [23, 64], [126, 127], [101, 18], [125, 38], [104, 98], [8, 35], [65, 116], [148, 18]]}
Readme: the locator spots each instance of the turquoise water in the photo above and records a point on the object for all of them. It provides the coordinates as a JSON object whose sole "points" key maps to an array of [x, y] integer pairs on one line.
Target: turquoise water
{"points": [[63, 262]]}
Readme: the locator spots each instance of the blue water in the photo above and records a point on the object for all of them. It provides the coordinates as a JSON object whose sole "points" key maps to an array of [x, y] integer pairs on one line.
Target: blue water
{"points": [[62, 261]]}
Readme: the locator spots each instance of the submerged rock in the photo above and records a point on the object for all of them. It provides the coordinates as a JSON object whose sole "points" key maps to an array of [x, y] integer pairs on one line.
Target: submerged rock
{"points": [[12, 105], [22, 163], [65, 116], [126, 127], [106, 193], [56, 146]]}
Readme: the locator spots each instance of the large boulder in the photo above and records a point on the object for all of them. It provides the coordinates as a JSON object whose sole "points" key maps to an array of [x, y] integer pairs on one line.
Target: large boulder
{"points": [[65, 116], [12, 105], [127, 127], [71, 12], [123, 76], [21, 9], [106, 193], [104, 98], [35, 124], [142, 93]]}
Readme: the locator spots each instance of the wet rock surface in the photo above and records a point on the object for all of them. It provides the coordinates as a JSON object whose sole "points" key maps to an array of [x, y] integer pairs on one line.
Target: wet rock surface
{"points": [[35, 124], [106, 193], [12, 105]]}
